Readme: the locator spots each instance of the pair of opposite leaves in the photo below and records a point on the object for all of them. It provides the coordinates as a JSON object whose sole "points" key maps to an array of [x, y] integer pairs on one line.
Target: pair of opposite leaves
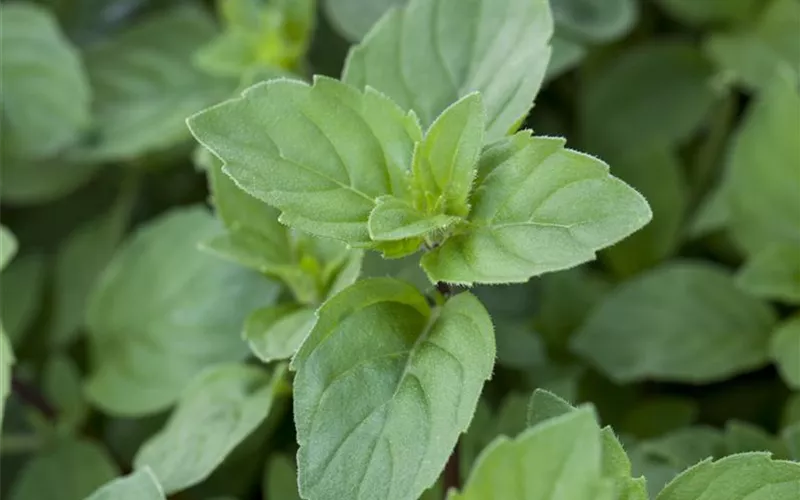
{"points": [[353, 165]]}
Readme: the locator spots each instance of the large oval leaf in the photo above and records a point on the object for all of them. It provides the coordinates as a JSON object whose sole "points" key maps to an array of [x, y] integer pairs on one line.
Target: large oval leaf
{"points": [[433, 52], [384, 387], [163, 311]]}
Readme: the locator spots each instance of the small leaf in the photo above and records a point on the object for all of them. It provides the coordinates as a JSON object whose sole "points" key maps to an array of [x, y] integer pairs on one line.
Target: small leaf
{"points": [[751, 475], [22, 287], [686, 446], [69, 469], [668, 79], [276, 332], [44, 79], [394, 220], [61, 384], [755, 54], [773, 273], [531, 467], [542, 208], [593, 21], [545, 405], [401, 381], [700, 327], [138, 485], [445, 161], [784, 349], [140, 358], [741, 437], [431, 53], [8, 246], [763, 170], [148, 116], [280, 479], [323, 164], [218, 410]]}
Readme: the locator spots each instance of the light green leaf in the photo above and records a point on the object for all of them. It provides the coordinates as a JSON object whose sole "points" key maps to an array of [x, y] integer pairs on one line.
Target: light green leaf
{"points": [[658, 175], [140, 359], [711, 11], [538, 462], [8, 246], [749, 475], [773, 273], [79, 263], [280, 479], [431, 53], [393, 219], [276, 332], [566, 55], [545, 405], [146, 85], [61, 385], [45, 92], [595, 21], [69, 469], [384, 387], [667, 79], [6, 361], [218, 410], [138, 485], [354, 18], [323, 164], [755, 54], [784, 348], [541, 208], [445, 161], [764, 170], [21, 290], [700, 327]]}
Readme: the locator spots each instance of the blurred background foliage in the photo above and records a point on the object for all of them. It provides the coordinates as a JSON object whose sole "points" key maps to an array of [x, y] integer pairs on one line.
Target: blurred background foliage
{"points": [[685, 336]]}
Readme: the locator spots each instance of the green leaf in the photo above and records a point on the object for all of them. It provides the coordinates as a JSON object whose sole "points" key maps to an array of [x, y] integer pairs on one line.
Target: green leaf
{"points": [[280, 479], [595, 21], [354, 18], [146, 85], [755, 54], [393, 219], [431, 53], [42, 181], [158, 296], [384, 387], [79, 263], [8, 246], [784, 348], [531, 467], [684, 447], [69, 469], [21, 294], [658, 175], [711, 11], [773, 273], [667, 79], [791, 439], [749, 475], [276, 332], [61, 385], [138, 485], [545, 405], [566, 55], [218, 410], [540, 208], [6, 361], [445, 161], [741, 437], [700, 327], [763, 169], [323, 164], [45, 92]]}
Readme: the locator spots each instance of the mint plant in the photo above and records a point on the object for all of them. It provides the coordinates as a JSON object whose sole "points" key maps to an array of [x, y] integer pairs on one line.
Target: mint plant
{"points": [[375, 249]]}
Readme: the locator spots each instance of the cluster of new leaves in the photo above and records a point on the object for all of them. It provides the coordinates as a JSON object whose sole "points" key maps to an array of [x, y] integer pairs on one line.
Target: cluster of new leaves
{"points": [[309, 337]]}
